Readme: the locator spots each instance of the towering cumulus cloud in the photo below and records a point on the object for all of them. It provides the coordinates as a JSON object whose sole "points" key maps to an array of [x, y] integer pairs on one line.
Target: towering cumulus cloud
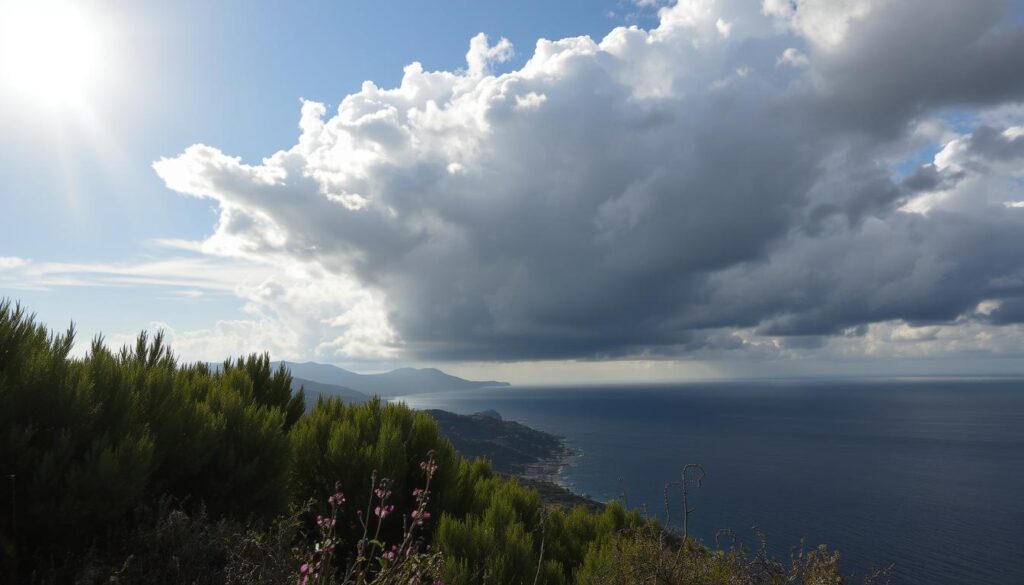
{"points": [[783, 177]]}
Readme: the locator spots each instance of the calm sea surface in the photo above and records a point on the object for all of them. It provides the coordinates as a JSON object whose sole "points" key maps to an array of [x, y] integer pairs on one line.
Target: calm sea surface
{"points": [[925, 475]]}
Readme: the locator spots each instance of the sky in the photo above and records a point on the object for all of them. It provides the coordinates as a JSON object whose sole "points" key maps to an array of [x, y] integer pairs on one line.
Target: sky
{"points": [[531, 191]]}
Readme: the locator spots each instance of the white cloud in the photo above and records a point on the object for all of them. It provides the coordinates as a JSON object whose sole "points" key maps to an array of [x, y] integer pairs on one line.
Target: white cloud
{"points": [[987, 164], [530, 101], [793, 58], [8, 262], [295, 311], [825, 23], [481, 54], [227, 338], [196, 273], [724, 28]]}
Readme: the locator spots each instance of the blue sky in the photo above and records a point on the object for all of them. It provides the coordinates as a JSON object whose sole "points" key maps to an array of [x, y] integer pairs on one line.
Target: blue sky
{"points": [[703, 195]]}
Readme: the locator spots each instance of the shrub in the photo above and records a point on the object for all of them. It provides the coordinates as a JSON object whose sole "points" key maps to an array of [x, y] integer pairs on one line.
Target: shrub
{"points": [[88, 440]]}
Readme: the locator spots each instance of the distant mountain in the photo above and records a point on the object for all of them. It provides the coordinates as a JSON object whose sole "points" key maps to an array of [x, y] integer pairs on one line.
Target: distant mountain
{"points": [[394, 383], [314, 390]]}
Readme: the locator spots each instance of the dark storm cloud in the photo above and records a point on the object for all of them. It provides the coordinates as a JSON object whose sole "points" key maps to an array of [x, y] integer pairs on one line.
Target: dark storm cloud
{"points": [[1010, 310], [929, 178], [993, 144], [905, 58], [659, 192]]}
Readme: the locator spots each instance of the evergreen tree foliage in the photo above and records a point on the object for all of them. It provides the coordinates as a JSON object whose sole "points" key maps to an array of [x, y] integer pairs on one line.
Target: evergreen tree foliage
{"points": [[511, 538], [87, 440], [270, 387]]}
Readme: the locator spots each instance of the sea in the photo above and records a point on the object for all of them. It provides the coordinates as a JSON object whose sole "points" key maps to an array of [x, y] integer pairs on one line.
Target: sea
{"points": [[924, 476]]}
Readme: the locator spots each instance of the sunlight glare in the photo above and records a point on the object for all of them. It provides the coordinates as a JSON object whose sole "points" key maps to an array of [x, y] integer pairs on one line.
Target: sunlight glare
{"points": [[50, 50]]}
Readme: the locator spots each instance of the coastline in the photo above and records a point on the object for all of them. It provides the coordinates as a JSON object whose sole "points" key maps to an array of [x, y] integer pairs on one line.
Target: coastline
{"points": [[536, 458]]}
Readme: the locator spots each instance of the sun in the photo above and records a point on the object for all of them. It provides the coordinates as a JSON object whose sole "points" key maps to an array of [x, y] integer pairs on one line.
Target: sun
{"points": [[49, 50]]}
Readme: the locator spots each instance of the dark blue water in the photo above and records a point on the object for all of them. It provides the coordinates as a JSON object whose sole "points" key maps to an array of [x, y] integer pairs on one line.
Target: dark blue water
{"points": [[924, 475]]}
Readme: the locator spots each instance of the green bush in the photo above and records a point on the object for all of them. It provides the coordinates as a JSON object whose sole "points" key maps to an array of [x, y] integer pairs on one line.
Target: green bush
{"points": [[87, 440], [339, 446]]}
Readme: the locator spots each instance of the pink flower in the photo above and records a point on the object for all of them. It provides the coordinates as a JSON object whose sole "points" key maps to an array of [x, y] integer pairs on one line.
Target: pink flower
{"points": [[324, 522], [383, 511]]}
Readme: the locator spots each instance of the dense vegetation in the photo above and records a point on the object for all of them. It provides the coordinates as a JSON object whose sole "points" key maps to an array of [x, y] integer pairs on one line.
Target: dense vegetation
{"points": [[129, 466]]}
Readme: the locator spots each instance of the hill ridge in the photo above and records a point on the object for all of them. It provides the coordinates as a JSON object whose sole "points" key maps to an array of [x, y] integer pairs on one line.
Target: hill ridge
{"points": [[397, 382]]}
